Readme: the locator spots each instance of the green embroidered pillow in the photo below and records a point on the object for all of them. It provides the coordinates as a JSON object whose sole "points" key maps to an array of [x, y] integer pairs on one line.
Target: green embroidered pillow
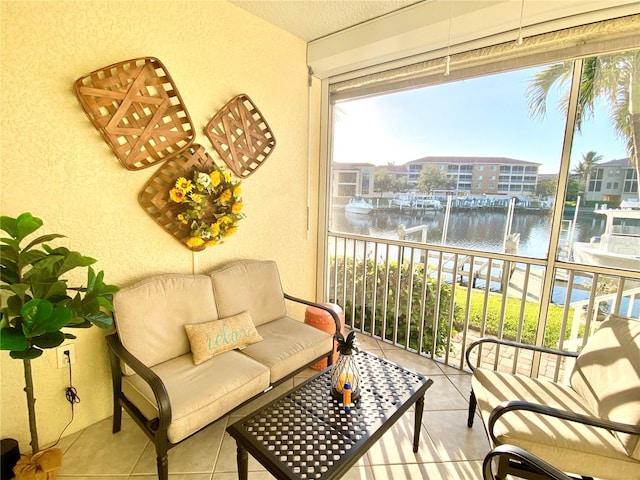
{"points": [[209, 339]]}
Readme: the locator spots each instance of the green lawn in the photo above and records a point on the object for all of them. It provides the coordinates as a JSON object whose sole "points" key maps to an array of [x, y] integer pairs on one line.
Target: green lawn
{"points": [[512, 314]]}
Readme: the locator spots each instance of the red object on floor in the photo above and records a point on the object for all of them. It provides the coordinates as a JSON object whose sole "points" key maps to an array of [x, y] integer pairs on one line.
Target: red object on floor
{"points": [[322, 320]]}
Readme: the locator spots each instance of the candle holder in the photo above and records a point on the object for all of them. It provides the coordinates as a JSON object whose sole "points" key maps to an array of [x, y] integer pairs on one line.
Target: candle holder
{"points": [[345, 369]]}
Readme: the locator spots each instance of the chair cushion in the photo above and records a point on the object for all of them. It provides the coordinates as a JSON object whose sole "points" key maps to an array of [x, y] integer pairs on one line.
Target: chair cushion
{"points": [[199, 394], [251, 285], [151, 314], [607, 375], [212, 338], [288, 344], [569, 446]]}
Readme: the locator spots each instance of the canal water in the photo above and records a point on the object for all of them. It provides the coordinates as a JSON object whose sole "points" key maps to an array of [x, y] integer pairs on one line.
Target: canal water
{"points": [[473, 229]]}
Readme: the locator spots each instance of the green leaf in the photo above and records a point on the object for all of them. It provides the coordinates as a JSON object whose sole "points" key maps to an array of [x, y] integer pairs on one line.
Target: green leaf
{"points": [[56, 289], [49, 340], [30, 257], [30, 353], [12, 339], [101, 320], [9, 252], [26, 224], [73, 260], [14, 244], [60, 318], [106, 302], [44, 268], [9, 275], [35, 310], [42, 239], [20, 289], [14, 304], [9, 225]]}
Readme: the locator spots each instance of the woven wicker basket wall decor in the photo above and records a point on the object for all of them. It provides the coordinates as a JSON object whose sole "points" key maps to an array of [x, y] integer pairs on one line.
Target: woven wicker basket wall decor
{"points": [[155, 197], [241, 136], [137, 108]]}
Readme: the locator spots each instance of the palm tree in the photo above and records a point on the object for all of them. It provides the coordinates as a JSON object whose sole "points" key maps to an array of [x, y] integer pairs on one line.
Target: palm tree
{"points": [[586, 166], [614, 78]]}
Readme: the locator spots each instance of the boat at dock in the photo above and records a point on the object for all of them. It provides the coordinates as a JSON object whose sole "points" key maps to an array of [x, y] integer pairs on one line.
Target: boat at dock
{"points": [[619, 245], [417, 201], [358, 206]]}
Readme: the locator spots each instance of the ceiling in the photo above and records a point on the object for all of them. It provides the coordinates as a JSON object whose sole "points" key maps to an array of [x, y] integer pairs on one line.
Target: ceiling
{"points": [[314, 19]]}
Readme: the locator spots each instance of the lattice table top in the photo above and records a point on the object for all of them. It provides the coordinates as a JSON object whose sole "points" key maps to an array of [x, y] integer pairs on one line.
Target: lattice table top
{"points": [[307, 432]]}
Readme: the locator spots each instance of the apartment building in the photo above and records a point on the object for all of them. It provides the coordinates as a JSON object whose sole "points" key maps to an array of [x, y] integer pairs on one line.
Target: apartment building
{"points": [[612, 181]]}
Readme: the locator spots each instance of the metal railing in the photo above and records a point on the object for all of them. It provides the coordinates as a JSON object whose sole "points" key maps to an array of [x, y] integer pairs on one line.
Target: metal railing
{"points": [[435, 300]]}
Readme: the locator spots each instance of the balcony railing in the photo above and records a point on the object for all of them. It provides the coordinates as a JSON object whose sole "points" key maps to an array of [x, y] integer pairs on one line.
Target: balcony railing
{"points": [[435, 300]]}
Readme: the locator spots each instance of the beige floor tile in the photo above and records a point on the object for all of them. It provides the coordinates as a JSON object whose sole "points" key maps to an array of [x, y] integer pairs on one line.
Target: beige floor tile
{"points": [[396, 445], [234, 476], [462, 382], [227, 460], [98, 451], [359, 472], [413, 361], [443, 395], [440, 471], [172, 476], [365, 342], [197, 454], [453, 440], [101, 477]]}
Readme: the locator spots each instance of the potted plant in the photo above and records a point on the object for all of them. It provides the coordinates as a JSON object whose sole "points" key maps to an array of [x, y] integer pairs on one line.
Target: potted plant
{"points": [[37, 302]]}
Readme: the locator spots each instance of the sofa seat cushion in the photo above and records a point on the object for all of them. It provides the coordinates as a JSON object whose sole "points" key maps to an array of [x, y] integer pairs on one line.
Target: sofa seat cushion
{"points": [[562, 443], [199, 394], [288, 344]]}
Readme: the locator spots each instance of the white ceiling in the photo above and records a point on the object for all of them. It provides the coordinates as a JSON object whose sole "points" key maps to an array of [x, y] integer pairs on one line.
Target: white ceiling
{"points": [[314, 19]]}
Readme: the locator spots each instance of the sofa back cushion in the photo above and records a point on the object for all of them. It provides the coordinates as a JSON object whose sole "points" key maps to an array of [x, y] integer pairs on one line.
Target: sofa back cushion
{"points": [[249, 285], [151, 315], [607, 375]]}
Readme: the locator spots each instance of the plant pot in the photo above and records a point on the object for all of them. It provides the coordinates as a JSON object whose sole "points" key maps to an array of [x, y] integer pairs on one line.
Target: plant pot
{"points": [[10, 456]]}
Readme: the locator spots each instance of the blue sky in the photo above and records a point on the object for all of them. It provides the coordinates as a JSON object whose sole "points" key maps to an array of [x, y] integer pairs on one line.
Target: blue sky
{"points": [[485, 116]]}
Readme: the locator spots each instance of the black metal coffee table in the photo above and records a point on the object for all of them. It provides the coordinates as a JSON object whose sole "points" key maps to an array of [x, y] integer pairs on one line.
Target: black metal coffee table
{"points": [[306, 433]]}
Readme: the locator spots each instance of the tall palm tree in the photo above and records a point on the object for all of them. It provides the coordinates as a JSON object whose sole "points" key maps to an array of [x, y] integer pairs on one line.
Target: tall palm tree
{"points": [[586, 166], [614, 78]]}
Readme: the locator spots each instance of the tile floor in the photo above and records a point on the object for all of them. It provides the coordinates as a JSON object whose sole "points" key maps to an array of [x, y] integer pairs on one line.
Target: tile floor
{"points": [[448, 449]]}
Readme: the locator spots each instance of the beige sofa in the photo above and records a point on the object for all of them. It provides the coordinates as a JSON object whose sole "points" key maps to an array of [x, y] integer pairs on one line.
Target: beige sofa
{"points": [[166, 322]]}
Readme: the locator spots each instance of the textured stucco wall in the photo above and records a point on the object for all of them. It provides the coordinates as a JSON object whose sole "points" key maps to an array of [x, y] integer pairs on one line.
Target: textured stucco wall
{"points": [[55, 165]]}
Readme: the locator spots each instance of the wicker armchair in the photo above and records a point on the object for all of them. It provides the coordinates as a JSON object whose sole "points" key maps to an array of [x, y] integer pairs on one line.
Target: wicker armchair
{"points": [[590, 427]]}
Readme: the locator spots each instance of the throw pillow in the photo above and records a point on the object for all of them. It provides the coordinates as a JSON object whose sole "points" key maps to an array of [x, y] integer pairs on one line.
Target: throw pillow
{"points": [[211, 338]]}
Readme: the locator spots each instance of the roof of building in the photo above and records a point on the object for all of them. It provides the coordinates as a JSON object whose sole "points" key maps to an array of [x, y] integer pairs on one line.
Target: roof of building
{"points": [[621, 162], [475, 160], [351, 166]]}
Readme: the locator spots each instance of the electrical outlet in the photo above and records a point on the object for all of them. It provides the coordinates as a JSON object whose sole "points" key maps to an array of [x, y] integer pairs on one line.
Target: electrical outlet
{"points": [[63, 358]]}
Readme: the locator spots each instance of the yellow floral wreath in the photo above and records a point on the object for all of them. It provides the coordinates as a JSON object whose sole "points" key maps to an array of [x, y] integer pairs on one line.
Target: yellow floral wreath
{"points": [[212, 202]]}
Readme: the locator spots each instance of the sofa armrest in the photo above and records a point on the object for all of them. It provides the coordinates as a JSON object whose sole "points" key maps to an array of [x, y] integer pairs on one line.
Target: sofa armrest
{"points": [[526, 460], [333, 314], [118, 353], [512, 405], [510, 343]]}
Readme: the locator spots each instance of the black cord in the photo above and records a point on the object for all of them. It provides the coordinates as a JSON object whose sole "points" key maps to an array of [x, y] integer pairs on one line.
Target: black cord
{"points": [[72, 397]]}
